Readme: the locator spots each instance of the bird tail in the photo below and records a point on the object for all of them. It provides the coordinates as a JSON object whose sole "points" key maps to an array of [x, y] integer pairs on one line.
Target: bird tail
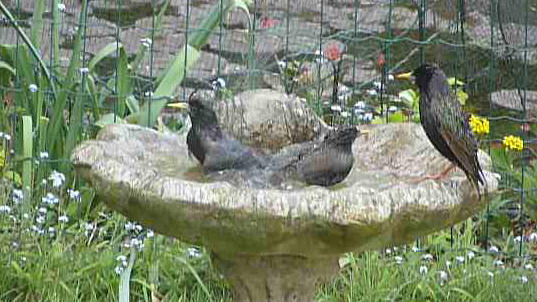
{"points": [[478, 177]]}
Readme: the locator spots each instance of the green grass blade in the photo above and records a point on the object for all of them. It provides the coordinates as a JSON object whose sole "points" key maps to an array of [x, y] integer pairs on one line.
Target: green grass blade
{"points": [[104, 52], [36, 31], [27, 152], [124, 288]]}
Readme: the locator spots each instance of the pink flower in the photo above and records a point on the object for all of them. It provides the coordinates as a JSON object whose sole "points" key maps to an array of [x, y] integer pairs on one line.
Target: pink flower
{"points": [[267, 22], [333, 52]]}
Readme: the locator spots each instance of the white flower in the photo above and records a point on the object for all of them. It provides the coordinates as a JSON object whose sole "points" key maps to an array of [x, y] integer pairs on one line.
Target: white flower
{"points": [[5, 209], [493, 249], [121, 258], [372, 92], [491, 276], [460, 259], [282, 64], [443, 276], [57, 179], [395, 249], [368, 116], [498, 263], [193, 252], [18, 196], [388, 251], [524, 279], [532, 237], [25, 216], [398, 259], [360, 105], [63, 219], [391, 77], [40, 219], [51, 230], [471, 255], [423, 270], [129, 226], [148, 94], [33, 88], [218, 84], [42, 210], [50, 199], [118, 270], [74, 194], [392, 109], [427, 257], [448, 263], [528, 266], [415, 249], [88, 226], [345, 114], [43, 155], [150, 234], [61, 7], [518, 238], [146, 42], [7, 137], [84, 70], [137, 243], [336, 108], [138, 228]]}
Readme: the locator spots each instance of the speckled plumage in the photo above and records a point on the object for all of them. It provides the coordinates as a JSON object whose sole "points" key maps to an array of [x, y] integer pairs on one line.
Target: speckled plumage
{"points": [[445, 124]]}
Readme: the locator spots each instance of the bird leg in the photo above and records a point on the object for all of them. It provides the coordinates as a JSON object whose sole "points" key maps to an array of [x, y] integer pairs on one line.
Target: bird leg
{"points": [[442, 174]]}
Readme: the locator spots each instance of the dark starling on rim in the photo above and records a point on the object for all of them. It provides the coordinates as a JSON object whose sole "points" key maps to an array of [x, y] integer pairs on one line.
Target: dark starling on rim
{"points": [[214, 149], [444, 122]]}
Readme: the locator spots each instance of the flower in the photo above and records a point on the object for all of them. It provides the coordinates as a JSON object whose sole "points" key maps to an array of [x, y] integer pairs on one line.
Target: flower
{"points": [[443, 276], [17, 196], [118, 270], [423, 270], [378, 85], [448, 263], [359, 105], [460, 259], [427, 257], [84, 70], [129, 226], [372, 92], [150, 234], [40, 219], [345, 114], [146, 42], [5, 209], [50, 199], [57, 179], [63, 219], [61, 7], [479, 125], [74, 194], [333, 52], [218, 84], [498, 263], [388, 251], [391, 77], [33, 88], [193, 252], [398, 259], [43, 155], [368, 117], [88, 226], [471, 255], [335, 108], [392, 109], [517, 238], [528, 266], [267, 22], [415, 249], [493, 249], [524, 279], [42, 211], [512, 142], [532, 237]]}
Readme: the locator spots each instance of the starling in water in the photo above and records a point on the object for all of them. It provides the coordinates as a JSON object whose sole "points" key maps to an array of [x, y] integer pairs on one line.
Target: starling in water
{"points": [[215, 150], [445, 124]]}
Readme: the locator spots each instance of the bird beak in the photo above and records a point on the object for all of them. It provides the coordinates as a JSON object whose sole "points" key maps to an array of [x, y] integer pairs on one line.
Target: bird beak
{"points": [[179, 105], [404, 76]]}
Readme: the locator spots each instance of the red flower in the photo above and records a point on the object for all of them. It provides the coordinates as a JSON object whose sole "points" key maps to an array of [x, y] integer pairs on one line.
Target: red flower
{"points": [[333, 52], [381, 60], [267, 22]]}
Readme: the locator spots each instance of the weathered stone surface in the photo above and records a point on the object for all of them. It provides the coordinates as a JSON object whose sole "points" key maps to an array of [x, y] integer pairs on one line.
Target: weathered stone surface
{"points": [[511, 99], [148, 177], [266, 118]]}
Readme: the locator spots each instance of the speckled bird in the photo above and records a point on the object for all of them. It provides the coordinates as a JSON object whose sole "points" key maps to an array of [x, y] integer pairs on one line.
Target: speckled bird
{"points": [[445, 124]]}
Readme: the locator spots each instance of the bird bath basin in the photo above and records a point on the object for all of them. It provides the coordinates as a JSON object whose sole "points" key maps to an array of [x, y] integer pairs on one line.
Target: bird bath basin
{"points": [[275, 245]]}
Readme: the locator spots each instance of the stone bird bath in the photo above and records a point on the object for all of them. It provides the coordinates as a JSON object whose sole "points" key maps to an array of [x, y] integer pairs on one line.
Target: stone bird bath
{"points": [[275, 245]]}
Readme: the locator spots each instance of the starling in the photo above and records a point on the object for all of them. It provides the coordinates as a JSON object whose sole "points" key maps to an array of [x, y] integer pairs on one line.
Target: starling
{"points": [[445, 124], [214, 149], [323, 163]]}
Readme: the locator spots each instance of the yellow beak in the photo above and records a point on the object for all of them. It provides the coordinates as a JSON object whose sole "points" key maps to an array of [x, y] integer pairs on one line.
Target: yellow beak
{"points": [[180, 105], [404, 76]]}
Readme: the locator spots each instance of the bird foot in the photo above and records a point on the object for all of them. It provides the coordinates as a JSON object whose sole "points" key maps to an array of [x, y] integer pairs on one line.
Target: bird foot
{"points": [[436, 177]]}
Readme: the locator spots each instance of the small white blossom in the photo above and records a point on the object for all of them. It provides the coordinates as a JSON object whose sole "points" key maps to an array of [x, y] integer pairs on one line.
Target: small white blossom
{"points": [[498, 263], [528, 266], [448, 263], [372, 92], [493, 249], [51, 230], [40, 219], [532, 237], [148, 94], [121, 258], [150, 234], [42, 210], [63, 219], [427, 257], [471, 255], [23, 259], [129, 226], [391, 77], [360, 105], [88, 226], [57, 179], [524, 279], [282, 64], [415, 249], [443, 276], [43, 155], [146, 42], [74, 194], [50, 199], [137, 243], [61, 7], [368, 116], [5, 209], [218, 84], [335, 108], [193, 252], [84, 70], [118, 270], [423, 270], [345, 114], [25, 216], [518, 238], [7, 137], [491, 274], [33, 88], [138, 228], [392, 109], [17, 196], [398, 259], [395, 249], [388, 251], [460, 259]]}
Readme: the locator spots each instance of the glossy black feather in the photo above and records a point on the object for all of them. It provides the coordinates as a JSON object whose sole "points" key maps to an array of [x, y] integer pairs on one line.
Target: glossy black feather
{"points": [[445, 124]]}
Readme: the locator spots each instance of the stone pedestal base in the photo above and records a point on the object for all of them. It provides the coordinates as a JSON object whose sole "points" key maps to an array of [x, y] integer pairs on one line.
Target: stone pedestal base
{"points": [[275, 278]]}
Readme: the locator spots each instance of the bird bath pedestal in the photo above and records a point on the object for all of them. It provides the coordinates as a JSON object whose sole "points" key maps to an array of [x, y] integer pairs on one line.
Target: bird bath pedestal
{"points": [[275, 245]]}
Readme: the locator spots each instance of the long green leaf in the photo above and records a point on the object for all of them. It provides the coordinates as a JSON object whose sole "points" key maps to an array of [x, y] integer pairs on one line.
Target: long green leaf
{"points": [[36, 31], [6, 66], [27, 152], [104, 52], [150, 110]]}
